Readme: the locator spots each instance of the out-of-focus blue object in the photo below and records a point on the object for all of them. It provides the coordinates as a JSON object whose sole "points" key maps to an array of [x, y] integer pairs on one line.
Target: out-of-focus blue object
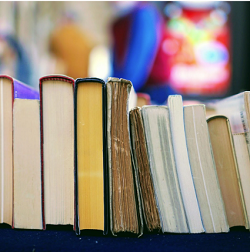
{"points": [[136, 40], [22, 65]]}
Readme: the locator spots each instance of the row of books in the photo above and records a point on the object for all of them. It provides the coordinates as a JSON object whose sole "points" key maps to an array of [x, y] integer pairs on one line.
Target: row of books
{"points": [[75, 154]]}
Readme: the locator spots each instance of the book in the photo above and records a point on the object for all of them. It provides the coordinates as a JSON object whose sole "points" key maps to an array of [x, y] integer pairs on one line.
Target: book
{"points": [[183, 165], [243, 161], [27, 165], [9, 90], [227, 170], [163, 169], [90, 154], [141, 164], [204, 171], [57, 148], [237, 109], [125, 208]]}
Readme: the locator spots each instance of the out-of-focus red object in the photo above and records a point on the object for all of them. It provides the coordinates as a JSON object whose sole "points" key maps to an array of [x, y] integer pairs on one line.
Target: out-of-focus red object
{"points": [[198, 48]]}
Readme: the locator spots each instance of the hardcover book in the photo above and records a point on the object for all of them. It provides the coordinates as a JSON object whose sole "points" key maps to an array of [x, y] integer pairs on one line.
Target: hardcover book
{"points": [[9, 90], [57, 148], [90, 154], [27, 165]]}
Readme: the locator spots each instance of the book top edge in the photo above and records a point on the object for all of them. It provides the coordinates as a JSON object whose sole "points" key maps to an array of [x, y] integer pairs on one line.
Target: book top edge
{"points": [[94, 79], [57, 77], [217, 116], [114, 79]]}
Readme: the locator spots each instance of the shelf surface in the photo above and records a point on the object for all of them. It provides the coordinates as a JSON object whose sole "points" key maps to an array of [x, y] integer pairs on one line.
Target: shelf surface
{"points": [[57, 238]]}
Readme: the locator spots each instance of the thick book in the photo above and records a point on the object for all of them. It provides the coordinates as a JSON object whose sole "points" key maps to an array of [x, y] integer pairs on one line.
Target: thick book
{"points": [[163, 169], [90, 155], [227, 170], [183, 165], [204, 171], [57, 148], [125, 207], [142, 167], [9, 90], [27, 165]]}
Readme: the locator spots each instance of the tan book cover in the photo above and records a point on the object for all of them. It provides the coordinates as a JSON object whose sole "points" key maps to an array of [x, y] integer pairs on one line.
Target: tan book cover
{"points": [[227, 170]]}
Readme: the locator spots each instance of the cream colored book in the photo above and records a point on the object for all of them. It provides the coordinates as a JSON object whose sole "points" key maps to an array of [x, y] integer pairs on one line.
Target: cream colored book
{"points": [[57, 126], [204, 171], [6, 173], [227, 170], [163, 169], [27, 165], [10, 89], [183, 165], [243, 161]]}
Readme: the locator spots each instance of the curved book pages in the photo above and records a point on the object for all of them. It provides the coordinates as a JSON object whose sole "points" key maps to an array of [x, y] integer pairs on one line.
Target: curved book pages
{"points": [[90, 153], [183, 166], [227, 170], [9, 90], [125, 210], [57, 148], [141, 161], [204, 171], [163, 169]]}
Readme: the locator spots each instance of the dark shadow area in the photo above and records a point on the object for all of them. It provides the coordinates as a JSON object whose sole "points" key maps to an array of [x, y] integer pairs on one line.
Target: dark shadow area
{"points": [[5, 226], [60, 227], [240, 24], [237, 239]]}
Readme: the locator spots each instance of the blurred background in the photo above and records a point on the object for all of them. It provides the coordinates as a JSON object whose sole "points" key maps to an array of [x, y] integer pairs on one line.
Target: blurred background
{"points": [[198, 49]]}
